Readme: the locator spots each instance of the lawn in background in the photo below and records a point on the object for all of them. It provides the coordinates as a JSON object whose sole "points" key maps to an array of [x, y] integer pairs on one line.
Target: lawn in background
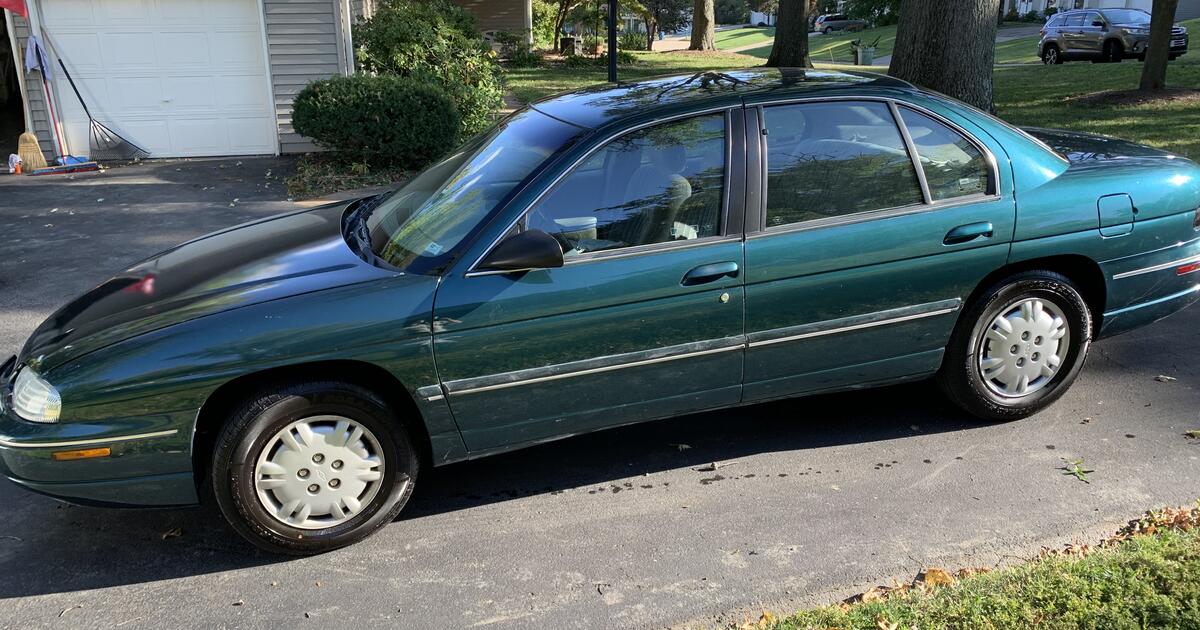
{"points": [[745, 36], [835, 47]]}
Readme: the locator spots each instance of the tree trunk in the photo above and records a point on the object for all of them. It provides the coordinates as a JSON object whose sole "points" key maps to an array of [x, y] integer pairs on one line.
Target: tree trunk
{"points": [[948, 46], [704, 22], [1154, 70], [651, 31], [559, 18], [790, 49]]}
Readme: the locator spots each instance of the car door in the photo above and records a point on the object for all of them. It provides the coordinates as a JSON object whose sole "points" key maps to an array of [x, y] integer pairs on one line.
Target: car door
{"points": [[859, 261], [1091, 33], [1072, 34], [644, 319]]}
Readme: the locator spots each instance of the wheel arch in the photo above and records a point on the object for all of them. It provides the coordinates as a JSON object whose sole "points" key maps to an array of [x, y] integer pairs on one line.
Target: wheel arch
{"points": [[221, 402], [1083, 271]]}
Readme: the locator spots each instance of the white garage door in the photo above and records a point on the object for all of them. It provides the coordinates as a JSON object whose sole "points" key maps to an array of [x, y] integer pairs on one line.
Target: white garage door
{"points": [[177, 77]]}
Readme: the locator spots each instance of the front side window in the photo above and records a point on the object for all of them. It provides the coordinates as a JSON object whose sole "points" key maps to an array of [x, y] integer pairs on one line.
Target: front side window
{"points": [[953, 166], [1074, 19], [832, 159], [655, 185]]}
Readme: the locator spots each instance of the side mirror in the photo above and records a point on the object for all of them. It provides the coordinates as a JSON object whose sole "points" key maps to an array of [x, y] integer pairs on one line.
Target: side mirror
{"points": [[531, 249]]}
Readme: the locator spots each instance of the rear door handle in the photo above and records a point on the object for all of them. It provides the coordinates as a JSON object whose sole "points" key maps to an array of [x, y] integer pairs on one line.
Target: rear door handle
{"points": [[967, 233], [709, 273]]}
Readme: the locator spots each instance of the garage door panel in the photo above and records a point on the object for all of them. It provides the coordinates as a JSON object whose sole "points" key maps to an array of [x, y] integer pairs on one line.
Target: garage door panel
{"points": [[177, 77], [250, 135], [183, 50]]}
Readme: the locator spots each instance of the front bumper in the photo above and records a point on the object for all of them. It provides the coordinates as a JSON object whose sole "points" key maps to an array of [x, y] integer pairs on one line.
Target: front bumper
{"points": [[149, 462]]}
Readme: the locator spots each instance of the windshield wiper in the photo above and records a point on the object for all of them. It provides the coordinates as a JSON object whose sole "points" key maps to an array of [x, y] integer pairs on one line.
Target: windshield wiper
{"points": [[356, 225]]}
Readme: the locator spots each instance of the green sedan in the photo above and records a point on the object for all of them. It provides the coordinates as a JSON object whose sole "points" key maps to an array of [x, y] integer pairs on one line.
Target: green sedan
{"points": [[599, 258]]}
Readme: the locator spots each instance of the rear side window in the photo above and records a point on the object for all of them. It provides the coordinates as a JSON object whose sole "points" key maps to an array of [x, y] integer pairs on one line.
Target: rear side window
{"points": [[1055, 21], [954, 167], [656, 185], [832, 159]]}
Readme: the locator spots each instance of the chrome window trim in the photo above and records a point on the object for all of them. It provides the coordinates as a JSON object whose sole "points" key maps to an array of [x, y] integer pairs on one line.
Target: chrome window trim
{"points": [[1159, 267], [911, 148], [10, 443], [724, 109], [930, 204], [594, 365], [853, 322]]}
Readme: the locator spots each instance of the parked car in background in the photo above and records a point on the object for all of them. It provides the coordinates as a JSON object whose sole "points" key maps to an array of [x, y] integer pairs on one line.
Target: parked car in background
{"points": [[837, 22], [609, 256], [1102, 35]]}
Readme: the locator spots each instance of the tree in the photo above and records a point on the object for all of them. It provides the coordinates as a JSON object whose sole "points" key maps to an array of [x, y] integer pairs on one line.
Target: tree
{"points": [[790, 49], [1154, 70], [877, 12], [561, 8], [948, 46], [732, 11], [662, 15], [704, 22]]}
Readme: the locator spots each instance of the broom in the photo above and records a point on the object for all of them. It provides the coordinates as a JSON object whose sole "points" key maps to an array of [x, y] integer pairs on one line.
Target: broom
{"points": [[30, 152]]}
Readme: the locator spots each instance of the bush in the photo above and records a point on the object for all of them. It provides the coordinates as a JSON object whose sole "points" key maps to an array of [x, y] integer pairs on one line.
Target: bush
{"points": [[515, 48], [1012, 15], [632, 40], [732, 11], [1032, 16], [581, 61], [379, 120], [436, 41], [1050, 11]]}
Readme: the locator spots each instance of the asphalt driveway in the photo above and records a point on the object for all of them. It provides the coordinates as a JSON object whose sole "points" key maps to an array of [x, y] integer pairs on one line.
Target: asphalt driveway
{"points": [[817, 497]]}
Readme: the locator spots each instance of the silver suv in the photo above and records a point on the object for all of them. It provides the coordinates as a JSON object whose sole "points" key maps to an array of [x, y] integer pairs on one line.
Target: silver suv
{"points": [[1102, 35]]}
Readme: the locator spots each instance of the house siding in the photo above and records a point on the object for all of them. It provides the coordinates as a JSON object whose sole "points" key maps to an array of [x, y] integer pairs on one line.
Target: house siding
{"points": [[304, 43], [515, 16]]}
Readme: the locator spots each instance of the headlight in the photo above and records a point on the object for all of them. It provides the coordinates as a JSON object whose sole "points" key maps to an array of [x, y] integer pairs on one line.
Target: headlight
{"points": [[1138, 31], [34, 399]]}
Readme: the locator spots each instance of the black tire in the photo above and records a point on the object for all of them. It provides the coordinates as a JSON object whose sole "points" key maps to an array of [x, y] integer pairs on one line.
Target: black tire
{"points": [[827, 31], [960, 376], [1051, 55], [1113, 52], [261, 417]]}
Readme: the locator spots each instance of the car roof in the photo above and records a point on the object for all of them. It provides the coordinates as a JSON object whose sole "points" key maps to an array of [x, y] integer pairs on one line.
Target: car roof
{"points": [[601, 105]]}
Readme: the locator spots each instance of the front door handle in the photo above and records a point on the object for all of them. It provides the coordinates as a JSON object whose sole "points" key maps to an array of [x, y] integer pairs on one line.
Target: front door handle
{"points": [[967, 233], [709, 273]]}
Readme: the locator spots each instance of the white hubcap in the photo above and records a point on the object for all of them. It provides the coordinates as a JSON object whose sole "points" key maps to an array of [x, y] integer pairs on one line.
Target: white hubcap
{"points": [[318, 472], [1024, 347]]}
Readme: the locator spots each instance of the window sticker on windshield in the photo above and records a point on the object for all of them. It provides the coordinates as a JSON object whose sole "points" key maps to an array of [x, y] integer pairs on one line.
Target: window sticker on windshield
{"points": [[434, 249]]}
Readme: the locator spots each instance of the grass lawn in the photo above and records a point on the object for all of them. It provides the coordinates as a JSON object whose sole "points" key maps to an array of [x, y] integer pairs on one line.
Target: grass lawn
{"points": [[530, 84], [1149, 581], [745, 36], [1022, 50], [835, 47]]}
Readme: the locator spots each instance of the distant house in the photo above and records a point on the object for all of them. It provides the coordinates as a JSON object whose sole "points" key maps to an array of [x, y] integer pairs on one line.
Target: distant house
{"points": [[760, 17], [1187, 10]]}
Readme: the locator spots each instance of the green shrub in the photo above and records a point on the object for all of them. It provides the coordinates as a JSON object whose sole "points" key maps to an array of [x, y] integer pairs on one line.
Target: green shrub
{"points": [[1050, 11], [437, 41], [582, 61], [379, 120], [632, 40], [1032, 16], [515, 48], [732, 11]]}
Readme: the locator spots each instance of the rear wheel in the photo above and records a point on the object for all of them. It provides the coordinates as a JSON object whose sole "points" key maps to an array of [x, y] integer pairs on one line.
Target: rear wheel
{"points": [[1018, 347], [1051, 55], [309, 467]]}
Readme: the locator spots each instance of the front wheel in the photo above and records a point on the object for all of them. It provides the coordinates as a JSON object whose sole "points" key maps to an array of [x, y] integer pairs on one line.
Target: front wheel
{"points": [[308, 467], [1018, 347], [1051, 56]]}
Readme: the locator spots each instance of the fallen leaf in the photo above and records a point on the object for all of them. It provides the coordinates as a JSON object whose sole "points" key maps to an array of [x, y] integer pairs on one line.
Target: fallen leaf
{"points": [[174, 532], [1193, 434], [1165, 379], [714, 466], [66, 610], [936, 576], [682, 447], [883, 624]]}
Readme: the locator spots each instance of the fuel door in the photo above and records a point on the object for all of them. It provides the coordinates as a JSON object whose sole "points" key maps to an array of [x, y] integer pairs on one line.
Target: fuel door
{"points": [[1116, 214]]}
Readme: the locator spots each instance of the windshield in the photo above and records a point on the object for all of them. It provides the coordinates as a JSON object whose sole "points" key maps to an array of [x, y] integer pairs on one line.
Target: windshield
{"points": [[418, 227], [1126, 16]]}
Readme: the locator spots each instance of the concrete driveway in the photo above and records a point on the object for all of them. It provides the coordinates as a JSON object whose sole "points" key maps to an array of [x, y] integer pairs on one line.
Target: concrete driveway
{"points": [[819, 497]]}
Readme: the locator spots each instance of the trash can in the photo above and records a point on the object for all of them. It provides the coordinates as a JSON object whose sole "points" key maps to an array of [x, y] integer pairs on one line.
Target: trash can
{"points": [[864, 56], [569, 46]]}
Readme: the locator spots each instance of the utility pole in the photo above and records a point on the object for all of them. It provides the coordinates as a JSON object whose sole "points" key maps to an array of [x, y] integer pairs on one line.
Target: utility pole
{"points": [[612, 41]]}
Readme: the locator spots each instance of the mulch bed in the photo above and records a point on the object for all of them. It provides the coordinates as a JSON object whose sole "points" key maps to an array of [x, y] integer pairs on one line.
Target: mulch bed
{"points": [[1138, 97]]}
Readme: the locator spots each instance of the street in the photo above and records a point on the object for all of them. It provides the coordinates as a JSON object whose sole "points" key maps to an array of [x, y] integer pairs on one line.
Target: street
{"points": [[812, 499]]}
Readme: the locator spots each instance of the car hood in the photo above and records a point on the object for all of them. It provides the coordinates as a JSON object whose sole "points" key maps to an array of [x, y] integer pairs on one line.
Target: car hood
{"points": [[1081, 147], [247, 264]]}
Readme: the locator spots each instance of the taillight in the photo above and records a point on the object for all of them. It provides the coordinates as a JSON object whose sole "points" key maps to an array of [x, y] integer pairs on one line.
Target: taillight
{"points": [[1186, 269]]}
